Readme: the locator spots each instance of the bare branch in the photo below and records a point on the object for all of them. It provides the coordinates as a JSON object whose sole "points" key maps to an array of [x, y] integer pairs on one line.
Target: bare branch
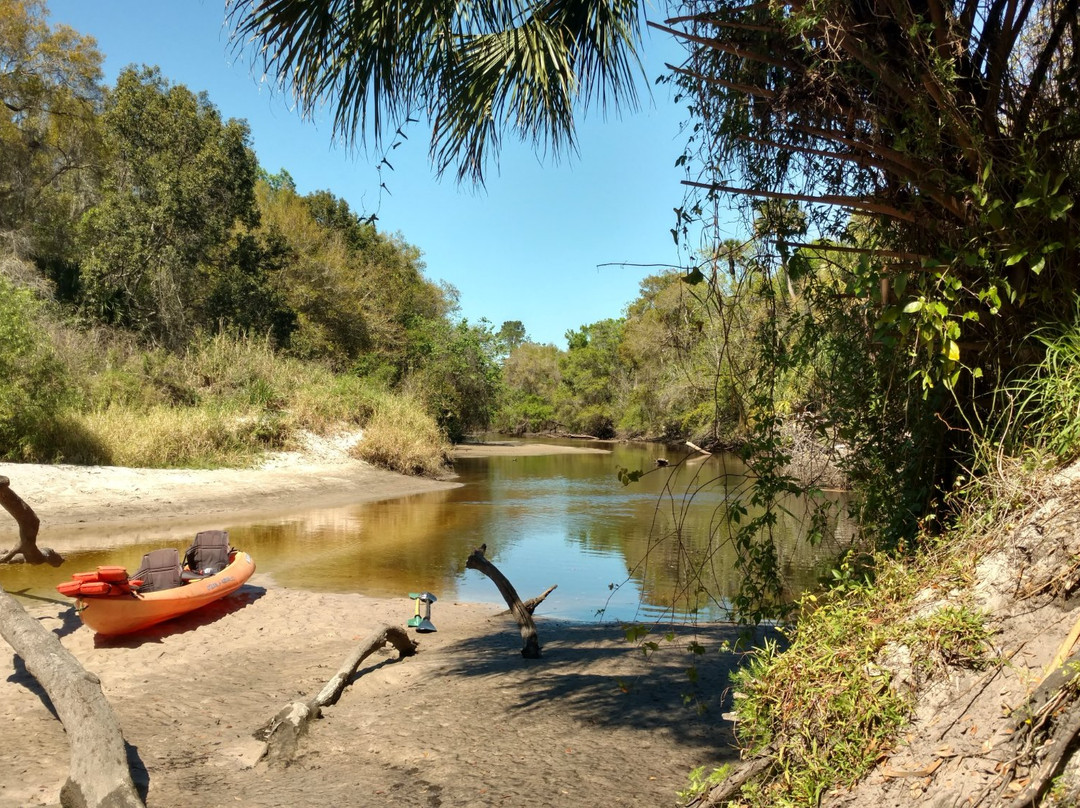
{"points": [[724, 47], [748, 89], [824, 199]]}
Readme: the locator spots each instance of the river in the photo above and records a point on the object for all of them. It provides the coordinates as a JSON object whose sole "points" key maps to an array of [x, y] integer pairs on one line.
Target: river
{"points": [[652, 549]]}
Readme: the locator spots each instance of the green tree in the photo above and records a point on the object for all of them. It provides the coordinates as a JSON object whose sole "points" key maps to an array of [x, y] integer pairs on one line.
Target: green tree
{"points": [[952, 128], [594, 378], [460, 379], [177, 182], [530, 389], [677, 370], [511, 334], [34, 387], [359, 296], [246, 293], [50, 94]]}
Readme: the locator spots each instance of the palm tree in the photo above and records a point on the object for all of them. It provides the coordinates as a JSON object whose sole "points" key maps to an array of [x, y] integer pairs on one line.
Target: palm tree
{"points": [[476, 69]]}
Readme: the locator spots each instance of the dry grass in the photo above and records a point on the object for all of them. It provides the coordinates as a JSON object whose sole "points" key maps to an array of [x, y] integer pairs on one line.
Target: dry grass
{"points": [[402, 437], [168, 437]]}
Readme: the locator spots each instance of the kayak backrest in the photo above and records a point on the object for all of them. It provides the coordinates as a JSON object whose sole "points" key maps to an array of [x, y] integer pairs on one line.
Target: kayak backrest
{"points": [[160, 569], [209, 553]]}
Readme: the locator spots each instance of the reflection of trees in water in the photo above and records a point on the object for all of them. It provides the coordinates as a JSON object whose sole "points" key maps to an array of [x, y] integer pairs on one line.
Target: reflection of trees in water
{"points": [[685, 562], [384, 548]]}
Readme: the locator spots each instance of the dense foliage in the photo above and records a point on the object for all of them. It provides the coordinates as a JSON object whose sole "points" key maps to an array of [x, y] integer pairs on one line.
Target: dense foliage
{"points": [[932, 148], [136, 219]]}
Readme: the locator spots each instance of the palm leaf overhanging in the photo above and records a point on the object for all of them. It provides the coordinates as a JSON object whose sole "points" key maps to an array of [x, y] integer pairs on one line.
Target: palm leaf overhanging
{"points": [[475, 68]]}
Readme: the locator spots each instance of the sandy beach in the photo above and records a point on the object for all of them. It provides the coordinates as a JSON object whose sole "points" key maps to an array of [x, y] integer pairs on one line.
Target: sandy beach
{"points": [[465, 722]]}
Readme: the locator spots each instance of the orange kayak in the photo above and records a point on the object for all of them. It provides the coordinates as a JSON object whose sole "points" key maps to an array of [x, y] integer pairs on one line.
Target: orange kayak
{"points": [[114, 608]]}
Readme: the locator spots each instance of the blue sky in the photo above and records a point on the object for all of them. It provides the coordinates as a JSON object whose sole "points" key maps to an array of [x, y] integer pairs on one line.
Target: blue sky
{"points": [[526, 247]]}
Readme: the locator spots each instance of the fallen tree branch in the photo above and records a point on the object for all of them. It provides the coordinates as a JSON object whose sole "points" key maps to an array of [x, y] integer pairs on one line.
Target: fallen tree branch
{"points": [[99, 776], [722, 792], [28, 530], [530, 642], [1059, 744], [283, 732]]}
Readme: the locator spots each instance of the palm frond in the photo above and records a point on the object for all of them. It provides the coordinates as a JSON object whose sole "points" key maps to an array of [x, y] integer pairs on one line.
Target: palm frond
{"points": [[477, 68]]}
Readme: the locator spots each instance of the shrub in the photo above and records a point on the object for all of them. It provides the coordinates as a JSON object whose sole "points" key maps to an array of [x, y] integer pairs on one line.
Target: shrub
{"points": [[34, 387]]}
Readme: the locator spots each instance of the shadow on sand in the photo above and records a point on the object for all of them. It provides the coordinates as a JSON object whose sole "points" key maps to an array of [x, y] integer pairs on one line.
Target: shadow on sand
{"points": [[671, 689], [205, 615]]}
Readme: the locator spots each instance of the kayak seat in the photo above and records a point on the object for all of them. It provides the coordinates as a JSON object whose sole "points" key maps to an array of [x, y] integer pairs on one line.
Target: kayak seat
{"points": [[160, 569], [209, 554]]}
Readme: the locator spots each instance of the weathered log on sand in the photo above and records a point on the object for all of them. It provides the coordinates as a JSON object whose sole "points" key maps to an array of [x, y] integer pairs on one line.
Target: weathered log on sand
{"points": [[283, 732], [721, 793], [99, 775], [530, 642], [28, 530]]}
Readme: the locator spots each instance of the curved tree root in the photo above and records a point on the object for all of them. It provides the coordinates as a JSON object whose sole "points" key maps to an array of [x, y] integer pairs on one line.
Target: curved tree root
{"points": [[28, 523], [283, 732]]}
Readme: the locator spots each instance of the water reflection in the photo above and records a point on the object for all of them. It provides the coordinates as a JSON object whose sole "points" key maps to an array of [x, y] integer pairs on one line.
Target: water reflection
{"points": [[629, 552]]}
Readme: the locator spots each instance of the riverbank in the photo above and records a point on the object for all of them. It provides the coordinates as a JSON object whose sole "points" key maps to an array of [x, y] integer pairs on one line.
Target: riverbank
{"points": [[465, 722]]}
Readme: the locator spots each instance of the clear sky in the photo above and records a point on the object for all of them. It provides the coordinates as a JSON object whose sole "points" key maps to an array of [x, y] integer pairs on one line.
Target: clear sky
{"points": [[529, 246]]}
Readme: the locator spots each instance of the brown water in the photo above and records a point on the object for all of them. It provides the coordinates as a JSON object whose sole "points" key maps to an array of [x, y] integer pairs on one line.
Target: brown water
{"points": [[634, 552]]}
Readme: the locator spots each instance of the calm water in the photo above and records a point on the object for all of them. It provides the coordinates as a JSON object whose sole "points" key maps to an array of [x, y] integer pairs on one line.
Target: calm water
{"points": [[624, 553]]}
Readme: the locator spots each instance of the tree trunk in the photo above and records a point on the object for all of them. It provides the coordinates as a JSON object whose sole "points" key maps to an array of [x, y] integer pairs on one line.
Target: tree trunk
{"points": [[99, 775], [283, 732], [530, 642]]}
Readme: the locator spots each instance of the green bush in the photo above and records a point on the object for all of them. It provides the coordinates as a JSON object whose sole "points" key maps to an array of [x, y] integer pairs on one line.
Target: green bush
{"points": [[34, 386], [529, 414]]}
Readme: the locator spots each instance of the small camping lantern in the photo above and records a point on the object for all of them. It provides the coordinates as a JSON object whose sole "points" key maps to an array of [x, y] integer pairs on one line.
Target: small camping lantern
{"points": [[416, 621]]}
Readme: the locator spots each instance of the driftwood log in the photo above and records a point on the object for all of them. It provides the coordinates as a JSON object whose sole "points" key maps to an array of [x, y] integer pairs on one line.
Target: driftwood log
{"points": [[99, 776], [530, 642], [283, 732], [28, 523]]}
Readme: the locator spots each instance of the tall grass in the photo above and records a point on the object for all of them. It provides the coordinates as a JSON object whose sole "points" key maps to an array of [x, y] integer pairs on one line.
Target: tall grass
{"points": [[221, 403], [169, 437], [1042, 411], [402, 437]]}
